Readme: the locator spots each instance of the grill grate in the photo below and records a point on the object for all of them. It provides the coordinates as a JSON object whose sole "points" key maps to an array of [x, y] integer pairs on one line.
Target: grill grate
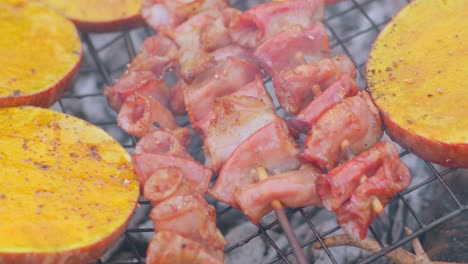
{"points": [[352, 28]]}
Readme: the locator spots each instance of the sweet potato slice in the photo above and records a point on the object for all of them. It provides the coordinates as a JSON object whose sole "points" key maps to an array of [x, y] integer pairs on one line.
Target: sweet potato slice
{"points": [[67, 188], [100, 15], [40, 52], [417, 73]]}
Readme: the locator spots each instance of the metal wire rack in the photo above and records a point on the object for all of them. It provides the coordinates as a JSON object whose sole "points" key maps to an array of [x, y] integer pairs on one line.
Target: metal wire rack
{"points": [[352, 26]]}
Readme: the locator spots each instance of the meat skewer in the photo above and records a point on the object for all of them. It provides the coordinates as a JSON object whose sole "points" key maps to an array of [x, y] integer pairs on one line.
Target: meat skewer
{"points": [[196, 42], [357, 202], [185, 222]]}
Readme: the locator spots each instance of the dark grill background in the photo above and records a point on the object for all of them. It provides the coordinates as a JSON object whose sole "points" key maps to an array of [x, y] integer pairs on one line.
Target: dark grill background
{"points": [[436, 194]]}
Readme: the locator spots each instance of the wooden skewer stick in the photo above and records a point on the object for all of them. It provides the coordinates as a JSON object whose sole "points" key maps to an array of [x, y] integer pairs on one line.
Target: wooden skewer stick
{"points": [[316, 90], [375, 203], [421, 256], [284, 222], [398, 255], [299, 56]]}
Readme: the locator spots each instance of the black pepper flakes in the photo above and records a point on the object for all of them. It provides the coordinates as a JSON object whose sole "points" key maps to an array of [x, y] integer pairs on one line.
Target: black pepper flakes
{"points": [[25, 144], [41, 166], [93, 153]]}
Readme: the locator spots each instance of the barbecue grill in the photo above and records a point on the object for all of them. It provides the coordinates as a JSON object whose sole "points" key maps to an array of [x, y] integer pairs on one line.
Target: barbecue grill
{"points": [[352, 27]]}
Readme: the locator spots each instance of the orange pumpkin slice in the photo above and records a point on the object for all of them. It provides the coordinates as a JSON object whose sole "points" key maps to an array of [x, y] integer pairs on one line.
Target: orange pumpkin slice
{"points": [[100, 15], [40, 53], [67, 190], [417, 73]]}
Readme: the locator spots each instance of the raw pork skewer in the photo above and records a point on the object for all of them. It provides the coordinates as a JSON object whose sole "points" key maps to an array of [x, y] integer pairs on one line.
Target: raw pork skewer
{"points": [[195, 41]]}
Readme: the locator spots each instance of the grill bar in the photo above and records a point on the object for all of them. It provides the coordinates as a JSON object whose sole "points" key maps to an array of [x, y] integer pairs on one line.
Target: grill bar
{"points": [[132, 245], [416, 234], [101, 67], [434, 171], [343, 46], [273, 244], [317, 235]]}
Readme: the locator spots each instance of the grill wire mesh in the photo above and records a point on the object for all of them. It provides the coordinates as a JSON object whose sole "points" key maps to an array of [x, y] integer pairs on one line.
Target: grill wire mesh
{"points": [[352, 28]]}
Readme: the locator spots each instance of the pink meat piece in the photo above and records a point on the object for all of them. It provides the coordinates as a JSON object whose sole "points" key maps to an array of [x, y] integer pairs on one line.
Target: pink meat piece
{"points": [[165, 183], [157, 55], [189, 216], [343, 88], [192, 59], [195, 173], [143, 82], [294, 87], [215, 35], [236, 118], [293, 189], [271, 147], [167, 247], [337, 186], [170, 13], [221, 80], [293, 47], [231, 50], [162, 142], [142, 114], [355, 119], [176, 100], [253, 89], [356, 215], [265, 20]]}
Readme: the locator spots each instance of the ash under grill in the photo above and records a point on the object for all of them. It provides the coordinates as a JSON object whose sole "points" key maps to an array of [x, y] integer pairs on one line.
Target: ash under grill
{"points": [[434, 206]]}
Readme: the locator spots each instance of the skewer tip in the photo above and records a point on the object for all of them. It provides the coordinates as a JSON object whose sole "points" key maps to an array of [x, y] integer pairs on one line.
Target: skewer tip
{"points": [[377, 205]]}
